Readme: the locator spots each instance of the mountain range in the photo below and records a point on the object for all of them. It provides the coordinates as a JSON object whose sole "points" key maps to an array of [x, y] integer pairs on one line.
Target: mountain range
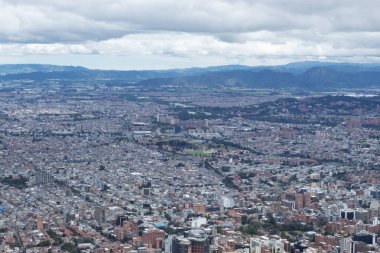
{"points": [[317, 78], [300, 75], [7, 69]]}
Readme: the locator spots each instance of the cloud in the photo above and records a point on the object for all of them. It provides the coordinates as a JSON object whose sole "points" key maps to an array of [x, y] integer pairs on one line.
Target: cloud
{"points": [[276, 29], [188, 45], [69, 20]]}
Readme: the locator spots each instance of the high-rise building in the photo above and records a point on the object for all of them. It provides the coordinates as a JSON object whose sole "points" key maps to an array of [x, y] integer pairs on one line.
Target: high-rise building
{"points": [[299, 201], [199, 208], [264, 244], [180, 245], [40, 224], [200, 245], [120, 233], [43, 177], [149, 237], [227, 202], [361, 215], [199, 240], [347, 214], [120, 220], [365, 237], [100, 214]]}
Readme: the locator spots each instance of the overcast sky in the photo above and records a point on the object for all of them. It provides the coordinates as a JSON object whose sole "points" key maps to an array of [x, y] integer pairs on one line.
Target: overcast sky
{"points": [[160, 34]]}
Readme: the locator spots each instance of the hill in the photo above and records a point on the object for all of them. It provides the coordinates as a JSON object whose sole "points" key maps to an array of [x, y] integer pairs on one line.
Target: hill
{"points": [[317, 78], [300, 75], [29, 68]]}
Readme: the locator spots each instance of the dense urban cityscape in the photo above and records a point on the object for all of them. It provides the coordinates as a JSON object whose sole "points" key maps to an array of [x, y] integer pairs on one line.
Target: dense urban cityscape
{"points": [[96, 166], [189, 126]]}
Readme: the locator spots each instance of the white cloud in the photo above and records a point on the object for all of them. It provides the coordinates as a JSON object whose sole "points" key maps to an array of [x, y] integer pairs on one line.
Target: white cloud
{"points": [[192, 45], [218, 29], [72, 20]]}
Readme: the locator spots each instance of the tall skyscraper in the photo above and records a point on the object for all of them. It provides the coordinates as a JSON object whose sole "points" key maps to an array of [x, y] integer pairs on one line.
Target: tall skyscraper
{"points": [[180, 245], [43, 177], [100, 214]]}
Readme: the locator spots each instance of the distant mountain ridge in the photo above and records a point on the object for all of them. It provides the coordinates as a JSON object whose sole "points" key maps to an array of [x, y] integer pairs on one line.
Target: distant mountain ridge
{"points": [[317, 78], [300, 67], [54, 72], [7, 69], [300, 75]]}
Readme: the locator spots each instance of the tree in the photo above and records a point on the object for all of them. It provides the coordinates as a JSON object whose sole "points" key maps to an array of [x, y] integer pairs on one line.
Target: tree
{"points": [[44, 244], [249, 229], [105, 188], [70, 248], [19, 183], [180, 165], [272, 221]]}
